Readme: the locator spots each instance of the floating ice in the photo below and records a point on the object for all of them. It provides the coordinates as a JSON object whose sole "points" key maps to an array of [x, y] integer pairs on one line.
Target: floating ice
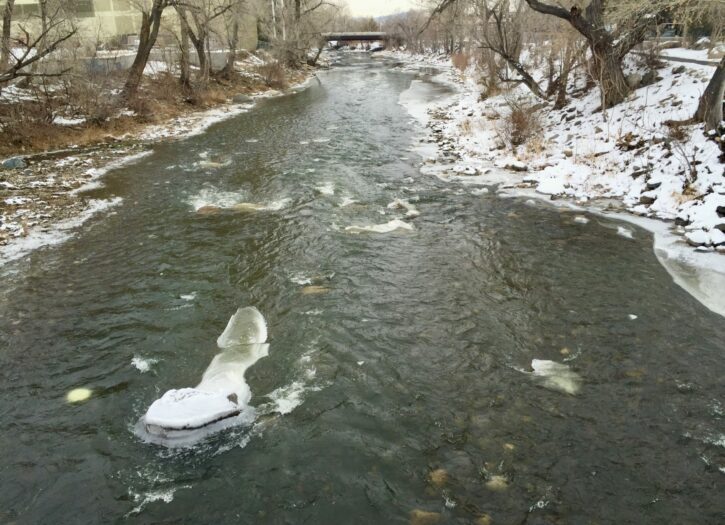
{"points": [[410, 210], [388, 227], [632, 317], [188, 297], [581, 219], [222, 393], [556, 376], [625, 232]]}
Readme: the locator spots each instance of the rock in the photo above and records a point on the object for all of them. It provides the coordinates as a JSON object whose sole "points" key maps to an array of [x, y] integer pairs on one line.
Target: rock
{"points": [[568, 153], [242, 99], [14, 163], [438, 477], [484, 519], [314, 290], [208, 210], [697, 238], [597, 129], [423, 517], [513, 165], [650, 77], [653, 185], [720, 210], [717, 237], [647, 199], [678, 70], [634, 80]]}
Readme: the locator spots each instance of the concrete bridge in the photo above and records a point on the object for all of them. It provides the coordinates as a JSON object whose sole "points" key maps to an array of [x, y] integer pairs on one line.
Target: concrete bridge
{"points": [[354, 37]]}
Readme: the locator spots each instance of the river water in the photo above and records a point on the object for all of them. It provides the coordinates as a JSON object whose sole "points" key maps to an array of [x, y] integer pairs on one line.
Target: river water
{"points": [[401, 384]]}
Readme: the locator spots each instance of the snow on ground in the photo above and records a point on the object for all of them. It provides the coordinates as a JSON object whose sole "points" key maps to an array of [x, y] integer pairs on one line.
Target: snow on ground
{"points": [[626, 153]]}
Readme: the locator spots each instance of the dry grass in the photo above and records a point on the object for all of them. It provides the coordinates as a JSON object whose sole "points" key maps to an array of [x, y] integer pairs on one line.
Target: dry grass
{"points": [[27, 126], [460, 61]]}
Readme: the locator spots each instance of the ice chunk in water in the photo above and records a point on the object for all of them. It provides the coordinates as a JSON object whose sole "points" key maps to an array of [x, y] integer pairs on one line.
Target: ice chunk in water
{"points": [[247, 326], [556, 376], [223, 392]]}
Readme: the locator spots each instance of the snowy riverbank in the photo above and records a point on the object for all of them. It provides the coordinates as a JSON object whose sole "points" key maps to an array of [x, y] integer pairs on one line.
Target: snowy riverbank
{"points": [[622, 164], [45, 198]]}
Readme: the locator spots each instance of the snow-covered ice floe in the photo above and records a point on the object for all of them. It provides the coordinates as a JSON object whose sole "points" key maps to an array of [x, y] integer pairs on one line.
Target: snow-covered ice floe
{"points": [[183, 416], [395, 224]]}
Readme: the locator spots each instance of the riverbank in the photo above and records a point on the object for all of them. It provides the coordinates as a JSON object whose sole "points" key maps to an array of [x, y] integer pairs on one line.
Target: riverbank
{"points": [[45, 194], [571, 165], [627, 155]]}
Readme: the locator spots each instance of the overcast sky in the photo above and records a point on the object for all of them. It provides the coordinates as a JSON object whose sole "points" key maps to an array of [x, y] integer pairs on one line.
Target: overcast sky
{"points": [[379, 7]]}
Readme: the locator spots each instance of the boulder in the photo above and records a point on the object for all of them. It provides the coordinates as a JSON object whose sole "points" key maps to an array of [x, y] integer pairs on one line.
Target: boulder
{"points": [[650, 77], [647, 199], [697, 238], [634, 80], [678, 70], [14, 163]]}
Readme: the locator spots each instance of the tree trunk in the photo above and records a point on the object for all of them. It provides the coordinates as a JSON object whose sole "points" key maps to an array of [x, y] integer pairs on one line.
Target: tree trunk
{"points": [[612, 83], [298, 10], [232, 56], [200, 48], [5, 43], [150, 22], [709, 110], [185, 74]]}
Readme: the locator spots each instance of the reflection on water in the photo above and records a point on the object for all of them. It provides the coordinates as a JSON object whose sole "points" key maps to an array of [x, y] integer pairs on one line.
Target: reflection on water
{"points": [[393, 389]]}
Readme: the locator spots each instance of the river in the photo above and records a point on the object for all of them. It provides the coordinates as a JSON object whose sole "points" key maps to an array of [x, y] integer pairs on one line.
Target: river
{"points": [[400, 384]]}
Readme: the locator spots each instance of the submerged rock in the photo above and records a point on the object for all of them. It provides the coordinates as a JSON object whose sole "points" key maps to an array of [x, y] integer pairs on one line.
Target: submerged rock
{"points": [[423, 517], [438, 477], [77, 395], [314, 290], [208, 210], [497, 483]]}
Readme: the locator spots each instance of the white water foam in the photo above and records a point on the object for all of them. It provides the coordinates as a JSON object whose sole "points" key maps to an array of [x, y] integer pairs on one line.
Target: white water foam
{"points": [[142, 364], [395, 224]]}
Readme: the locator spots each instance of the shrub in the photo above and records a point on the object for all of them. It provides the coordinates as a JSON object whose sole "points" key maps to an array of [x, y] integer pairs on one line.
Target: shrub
{"points": [[519, 125], [273, 74]]}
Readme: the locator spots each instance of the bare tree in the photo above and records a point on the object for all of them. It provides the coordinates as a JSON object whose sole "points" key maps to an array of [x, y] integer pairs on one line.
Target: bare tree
{"points": [[28, 50], [502, 34], [150, 24], [7, 24]]}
